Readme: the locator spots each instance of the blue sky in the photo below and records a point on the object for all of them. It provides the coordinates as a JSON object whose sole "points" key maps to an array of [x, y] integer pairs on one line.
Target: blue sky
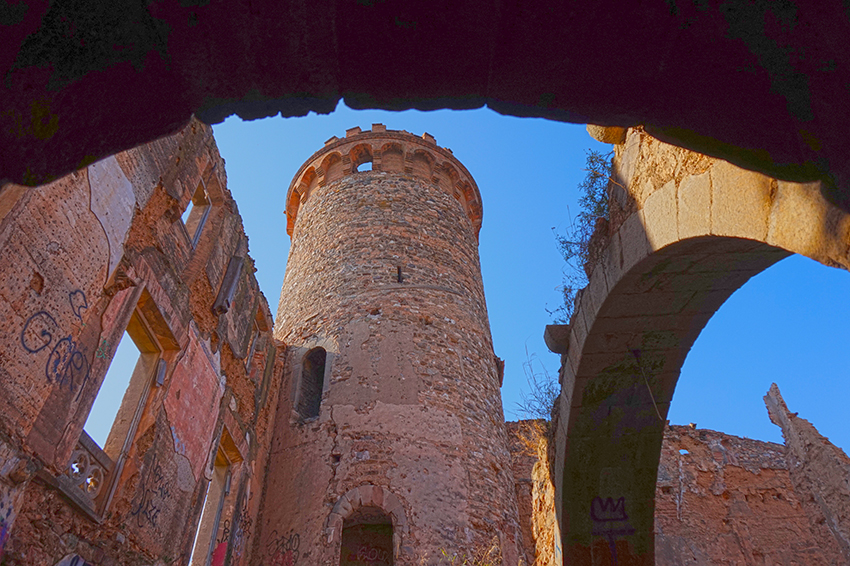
{"points": [[788, 324]]}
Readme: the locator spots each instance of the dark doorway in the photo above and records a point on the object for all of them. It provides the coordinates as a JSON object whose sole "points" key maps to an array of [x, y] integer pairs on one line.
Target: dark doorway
{"points": [[367, 538]]}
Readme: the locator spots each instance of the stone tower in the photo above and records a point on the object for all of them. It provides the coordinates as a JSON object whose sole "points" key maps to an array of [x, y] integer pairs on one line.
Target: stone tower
{"points": [[390, 442]]}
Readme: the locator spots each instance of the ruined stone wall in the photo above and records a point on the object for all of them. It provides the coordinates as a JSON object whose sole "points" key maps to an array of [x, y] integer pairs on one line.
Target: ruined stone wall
{"points": [[411, 419], [820, 472], [82, 259], [720, 499], [529, 445]]}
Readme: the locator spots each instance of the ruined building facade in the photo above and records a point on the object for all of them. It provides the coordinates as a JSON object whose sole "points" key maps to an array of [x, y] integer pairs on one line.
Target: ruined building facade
{"points": [[719, 500], [149, 242], [366, 427]]}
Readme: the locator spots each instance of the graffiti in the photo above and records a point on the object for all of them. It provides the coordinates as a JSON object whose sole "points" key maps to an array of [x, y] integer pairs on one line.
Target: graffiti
{"points": [[369, 554], [179, 445], [103, 350], [610, 520], [154, 491], [242, 528], [607, 510], [4, 534], [282, 550], [73, 560], [66, 363]]}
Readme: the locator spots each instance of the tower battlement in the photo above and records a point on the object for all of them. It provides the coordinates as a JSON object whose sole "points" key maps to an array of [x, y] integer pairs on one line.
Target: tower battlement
{"points": [[389, 151]]}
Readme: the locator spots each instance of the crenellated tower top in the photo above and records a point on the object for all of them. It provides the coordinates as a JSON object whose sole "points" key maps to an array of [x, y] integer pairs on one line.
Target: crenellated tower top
{"points": [[389, 151]]}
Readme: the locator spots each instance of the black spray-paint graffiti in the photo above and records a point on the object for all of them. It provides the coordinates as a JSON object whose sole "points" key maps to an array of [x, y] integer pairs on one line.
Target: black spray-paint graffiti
{"points": [[154, 492], [282, 550], [66, 364], [610, 521], [242, 528]]}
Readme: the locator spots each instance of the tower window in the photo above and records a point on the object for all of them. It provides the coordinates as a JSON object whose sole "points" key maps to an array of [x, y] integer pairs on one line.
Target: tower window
{"points": [[312, 382], [196, 213]]}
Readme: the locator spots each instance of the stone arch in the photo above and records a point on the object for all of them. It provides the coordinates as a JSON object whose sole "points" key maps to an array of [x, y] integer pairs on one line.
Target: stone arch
{"points": [[367, 495], [691, 240], [332, 166], [308, 181], [422, 163], [392, 158], [359, 154], [292, 207]]}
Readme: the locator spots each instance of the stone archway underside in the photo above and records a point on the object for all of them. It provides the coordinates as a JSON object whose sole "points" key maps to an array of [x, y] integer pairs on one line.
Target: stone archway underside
{"points": [[755, 83], [691, 231]]}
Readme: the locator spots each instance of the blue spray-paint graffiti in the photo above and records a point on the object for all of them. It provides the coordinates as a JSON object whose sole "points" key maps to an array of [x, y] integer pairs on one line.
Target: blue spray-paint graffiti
{"points": [[66, 364], [73, 560], [179, 445]]}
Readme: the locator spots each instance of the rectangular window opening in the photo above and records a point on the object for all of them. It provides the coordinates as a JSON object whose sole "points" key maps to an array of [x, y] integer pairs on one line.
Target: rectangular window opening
{"points": [[205, 548], [129, 377]]}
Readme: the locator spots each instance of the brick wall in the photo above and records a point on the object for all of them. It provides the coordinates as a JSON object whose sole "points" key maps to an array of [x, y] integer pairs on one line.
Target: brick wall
{"points": [[720, 499], [84, 258]]}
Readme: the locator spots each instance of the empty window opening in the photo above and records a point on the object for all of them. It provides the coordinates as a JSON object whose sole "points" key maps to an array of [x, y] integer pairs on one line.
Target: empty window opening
{"points": [[312, 383], [205, 550], [132, 371], [196, 214], [365, 166], [367, 538], [115, 384], [255, 338]]}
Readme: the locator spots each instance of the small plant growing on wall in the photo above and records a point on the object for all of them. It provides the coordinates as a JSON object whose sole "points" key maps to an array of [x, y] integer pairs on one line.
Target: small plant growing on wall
{"points": [[576, 245], [543, 390]]}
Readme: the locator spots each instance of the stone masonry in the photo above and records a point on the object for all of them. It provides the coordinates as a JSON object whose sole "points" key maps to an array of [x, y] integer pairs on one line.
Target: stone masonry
{"points": [[820, 472], [83, 259], [719, 500], [383, 275]]}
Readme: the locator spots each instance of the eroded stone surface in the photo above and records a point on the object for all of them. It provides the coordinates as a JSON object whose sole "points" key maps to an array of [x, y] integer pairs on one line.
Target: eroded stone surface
{"points": [[719, 499], [84, 258], [384, 275]]}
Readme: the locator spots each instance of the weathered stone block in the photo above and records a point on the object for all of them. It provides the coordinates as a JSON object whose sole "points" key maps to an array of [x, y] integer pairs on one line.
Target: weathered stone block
{"points": [[694, 209], [660, 212], [607, 134], [634, 240], [740, 202]]}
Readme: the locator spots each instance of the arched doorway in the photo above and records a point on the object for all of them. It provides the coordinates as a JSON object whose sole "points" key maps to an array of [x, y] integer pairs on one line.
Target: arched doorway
{"points": [[367, 526], [367, 538]]}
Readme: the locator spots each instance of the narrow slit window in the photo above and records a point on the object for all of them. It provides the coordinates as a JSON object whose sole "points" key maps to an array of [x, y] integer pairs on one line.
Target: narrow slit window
{"points": [[312, 383], [196, 213]]}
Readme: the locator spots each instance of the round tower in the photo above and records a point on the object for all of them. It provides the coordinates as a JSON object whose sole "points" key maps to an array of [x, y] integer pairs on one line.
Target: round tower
{"points": [[390, 440]]}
